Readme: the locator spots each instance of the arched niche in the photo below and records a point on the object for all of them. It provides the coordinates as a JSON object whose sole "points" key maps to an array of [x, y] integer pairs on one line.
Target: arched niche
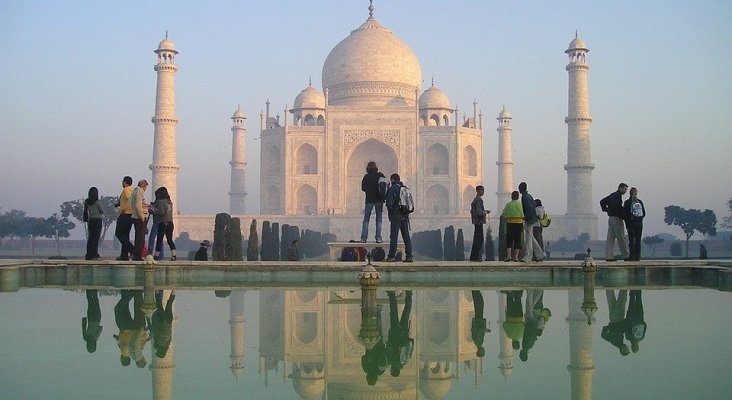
{"points": [[307, 200], [468, 196], [306, 326], [437, 160], [273, 161], [437, 200], [470, 160], [370, 150], [272, 198], [306, 160]]}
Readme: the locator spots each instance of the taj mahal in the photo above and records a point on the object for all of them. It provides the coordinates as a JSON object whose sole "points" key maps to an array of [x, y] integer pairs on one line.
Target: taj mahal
{"points": [[372, 108]]}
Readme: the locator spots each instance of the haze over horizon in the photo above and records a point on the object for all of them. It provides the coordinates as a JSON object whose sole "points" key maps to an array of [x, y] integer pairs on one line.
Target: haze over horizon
{"points": [[78, 91]]}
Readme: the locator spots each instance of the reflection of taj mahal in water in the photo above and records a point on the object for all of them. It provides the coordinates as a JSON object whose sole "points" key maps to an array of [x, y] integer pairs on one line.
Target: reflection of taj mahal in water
{"points": [[371, 108], [316, 338]]}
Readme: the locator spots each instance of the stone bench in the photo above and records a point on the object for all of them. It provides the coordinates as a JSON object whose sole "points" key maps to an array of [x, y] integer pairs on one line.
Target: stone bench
{"points": [[335, 248]]}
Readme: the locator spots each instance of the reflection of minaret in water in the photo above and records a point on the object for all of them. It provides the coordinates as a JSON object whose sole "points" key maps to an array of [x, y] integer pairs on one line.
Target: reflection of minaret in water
{"points": [[580, 366], [236, 322], [506, 355], [164, 368]]}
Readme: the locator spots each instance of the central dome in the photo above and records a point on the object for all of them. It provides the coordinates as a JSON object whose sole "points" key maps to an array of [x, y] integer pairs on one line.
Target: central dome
{"points": [[371, 67]]}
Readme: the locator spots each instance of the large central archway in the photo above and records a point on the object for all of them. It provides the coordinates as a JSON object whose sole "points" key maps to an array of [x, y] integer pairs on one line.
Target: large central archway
{"points": [[370, 150]]}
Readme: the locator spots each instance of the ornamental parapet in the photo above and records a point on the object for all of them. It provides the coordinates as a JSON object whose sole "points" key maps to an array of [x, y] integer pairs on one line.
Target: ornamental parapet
{"points": [[166, 67], [576, 67], [581, 167], [577, 119], [164, 168], [163, 120]]}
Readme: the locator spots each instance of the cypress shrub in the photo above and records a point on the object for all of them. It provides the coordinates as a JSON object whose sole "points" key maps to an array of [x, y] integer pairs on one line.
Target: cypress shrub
{"points": [[460, 246], [253, 242]]}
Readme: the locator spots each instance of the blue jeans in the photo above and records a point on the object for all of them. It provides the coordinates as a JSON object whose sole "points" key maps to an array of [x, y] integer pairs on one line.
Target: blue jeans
{"points": [[403, 227], [379, 207]]}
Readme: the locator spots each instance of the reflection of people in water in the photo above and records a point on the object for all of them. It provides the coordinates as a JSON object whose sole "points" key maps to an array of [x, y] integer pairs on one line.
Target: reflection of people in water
{"points": [[132, 335], [614, 331], [91, 325], [635, 326], [478, 324], [399, 347], [535, 319], [374, 361], [162, 323], [514, 323]]}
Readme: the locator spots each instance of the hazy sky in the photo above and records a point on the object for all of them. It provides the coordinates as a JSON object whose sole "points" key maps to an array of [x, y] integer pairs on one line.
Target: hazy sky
{"points": [[77, 90]]}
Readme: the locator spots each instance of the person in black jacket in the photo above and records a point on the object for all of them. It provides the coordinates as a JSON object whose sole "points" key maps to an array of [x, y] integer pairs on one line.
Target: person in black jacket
{"points": [[370, 184], [613, 206], [634, 211], [202, 253]]}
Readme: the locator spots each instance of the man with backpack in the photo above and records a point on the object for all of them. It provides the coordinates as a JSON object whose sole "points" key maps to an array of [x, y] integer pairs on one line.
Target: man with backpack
{"points": [[399, 204], [374, 185]]}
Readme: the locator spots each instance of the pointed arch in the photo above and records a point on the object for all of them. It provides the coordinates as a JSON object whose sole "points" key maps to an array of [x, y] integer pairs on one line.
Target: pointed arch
{"points": [[437, 160], [370, 150], [272, 165], [470, 161], [307, 200], [437, 200], [468, 196], [306, 159]]}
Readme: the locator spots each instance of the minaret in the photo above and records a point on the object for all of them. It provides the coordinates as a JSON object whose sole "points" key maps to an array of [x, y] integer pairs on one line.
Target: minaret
{"points": [[164, 166], [236, 323], [580, 218], [238, 191], [504, 182]]}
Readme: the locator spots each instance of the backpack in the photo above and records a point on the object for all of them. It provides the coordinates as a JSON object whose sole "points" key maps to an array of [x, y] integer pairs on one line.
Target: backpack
{"points": [[636, 210], [545, 220], [406, 201], [349, 254], [383, 186]]}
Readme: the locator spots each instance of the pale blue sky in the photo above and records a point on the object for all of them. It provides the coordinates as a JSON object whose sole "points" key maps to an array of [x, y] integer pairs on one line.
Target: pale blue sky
{"points": [[77, 90]]}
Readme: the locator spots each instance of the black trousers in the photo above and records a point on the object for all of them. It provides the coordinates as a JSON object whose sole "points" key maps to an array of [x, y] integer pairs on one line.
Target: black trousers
{"points": [[92, 241], [478, 239], [634, 241], [122, 233]]}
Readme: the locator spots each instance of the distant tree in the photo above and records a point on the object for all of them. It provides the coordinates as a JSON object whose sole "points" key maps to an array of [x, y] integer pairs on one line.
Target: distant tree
{"points": [[460, 246], [34, 227], [234, 252], [57, 228], [502, 253], [265, 253], [184, 242], [676, 249], [75, 209], [690, 221], [652, 241], [222, 224], [449, 244], [728, 219], [253, 245], [12, 224], [490, 246]]}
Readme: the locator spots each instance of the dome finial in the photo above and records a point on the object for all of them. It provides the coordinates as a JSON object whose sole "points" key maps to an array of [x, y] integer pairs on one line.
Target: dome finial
{"points": [[310, 81], [575, 34], [166, 33], [371, 8], [433, 81]]}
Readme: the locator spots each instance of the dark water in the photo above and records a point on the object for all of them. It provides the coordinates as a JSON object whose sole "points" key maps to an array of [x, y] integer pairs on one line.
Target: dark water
{"points": [[292, 344]]}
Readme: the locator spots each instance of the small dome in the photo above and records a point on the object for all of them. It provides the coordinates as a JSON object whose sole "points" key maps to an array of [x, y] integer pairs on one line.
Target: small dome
{"points": [[433, 98], [577, 44], [310, 97], [167, 45], [435, 388], [504, 114], [238, 113]]}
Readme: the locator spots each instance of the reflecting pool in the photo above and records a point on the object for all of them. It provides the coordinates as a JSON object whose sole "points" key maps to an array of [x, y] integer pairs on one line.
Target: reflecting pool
{"points": [[366, 342]]}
